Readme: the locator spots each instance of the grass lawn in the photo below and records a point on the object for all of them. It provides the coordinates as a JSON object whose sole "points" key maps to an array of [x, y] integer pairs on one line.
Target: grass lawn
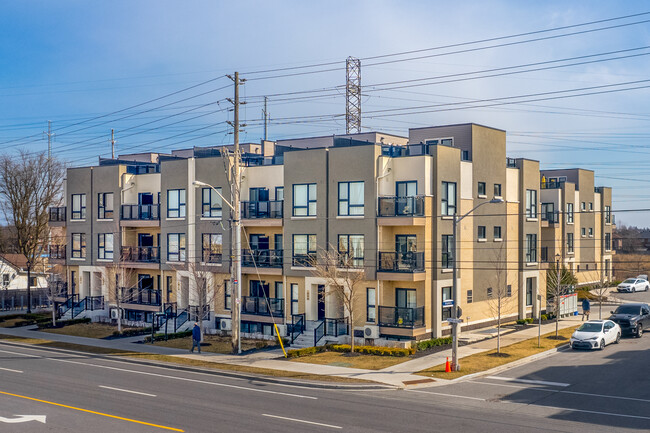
{"points": [[215, 343], [11, 320], [90, 330], [487, 360], [182, 361], [339, 359]]}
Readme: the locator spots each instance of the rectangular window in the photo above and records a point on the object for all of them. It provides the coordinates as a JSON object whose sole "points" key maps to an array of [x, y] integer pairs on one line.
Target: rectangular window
{"points": [[497, 232], [212, 247], [176, 247], [448, 200], [531, 248], [583, 232], [351, 198], [304, 250], [371, 306], [175, 203], [294, 298], [405, 298], [78, 206], [530, 283], [304, 200], [569, 242], [508, 290], [105, 246], [279, 290], [569, 212], [497, 190], [464, 155], [279, 193], [351, 251], [608, 241], [531, 203], [489, 293], [78, 245], [583, 206], [591, 206], [446, 295], [210, 203], [548, 212], [608, 214], [447, 246], [470, 297], [105, 205], [591, 232], [481, 232], [481, 188], [227, 290]]}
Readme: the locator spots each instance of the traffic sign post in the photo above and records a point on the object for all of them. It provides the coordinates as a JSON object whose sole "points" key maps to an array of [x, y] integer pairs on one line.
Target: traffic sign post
{"points": [[452, 320], [448, 303]]}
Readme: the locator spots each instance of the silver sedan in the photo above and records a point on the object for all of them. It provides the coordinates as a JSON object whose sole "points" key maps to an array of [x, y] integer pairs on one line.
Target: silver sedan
{"points": [[634, 285]]}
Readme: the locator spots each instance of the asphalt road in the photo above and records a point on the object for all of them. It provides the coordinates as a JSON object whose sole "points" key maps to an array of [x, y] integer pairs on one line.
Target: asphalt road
{"points": [[634, 297], [78, 393]]}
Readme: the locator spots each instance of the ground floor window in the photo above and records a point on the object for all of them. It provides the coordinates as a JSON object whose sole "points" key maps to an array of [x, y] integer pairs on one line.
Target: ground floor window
{"points": [[530, 285]]}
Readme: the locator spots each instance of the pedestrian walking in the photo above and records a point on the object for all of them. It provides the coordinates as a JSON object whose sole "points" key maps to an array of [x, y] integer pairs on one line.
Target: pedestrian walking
{"points": [[586, 305], [196, 337]]}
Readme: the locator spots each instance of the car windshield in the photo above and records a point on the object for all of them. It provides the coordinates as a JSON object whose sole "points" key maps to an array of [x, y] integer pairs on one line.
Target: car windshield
{"points": [[591, 327], [627, 309], [629, 281]]}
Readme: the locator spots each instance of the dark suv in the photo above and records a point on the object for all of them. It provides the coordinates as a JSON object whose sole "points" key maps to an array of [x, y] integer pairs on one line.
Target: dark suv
{"points": [[632, 318]]}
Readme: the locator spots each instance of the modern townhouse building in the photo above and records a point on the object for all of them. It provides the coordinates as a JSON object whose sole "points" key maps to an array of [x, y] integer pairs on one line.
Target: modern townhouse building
{"points": [[387, 203]]}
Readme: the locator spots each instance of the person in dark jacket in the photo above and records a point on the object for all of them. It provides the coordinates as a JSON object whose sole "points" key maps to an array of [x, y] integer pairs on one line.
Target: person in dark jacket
{"points": [[586, 305], [196, 337]]}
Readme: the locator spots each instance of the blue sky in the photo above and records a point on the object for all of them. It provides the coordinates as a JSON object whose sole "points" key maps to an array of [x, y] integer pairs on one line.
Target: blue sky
{"points": [[75, 62]]}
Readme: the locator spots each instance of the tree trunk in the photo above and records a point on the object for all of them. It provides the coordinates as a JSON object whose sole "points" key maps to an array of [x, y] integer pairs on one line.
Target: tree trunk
{"points": [[29, 293], [351, 331], [499, 333], [557, 316], [53, 313]]}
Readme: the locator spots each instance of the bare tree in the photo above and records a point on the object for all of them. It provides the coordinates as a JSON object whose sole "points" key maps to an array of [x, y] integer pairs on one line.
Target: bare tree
{"points": [[123, 286], [600, 291], [500, 297], [557, 284], [344, 276], [206, 289], [54, 290], [29, 184]]}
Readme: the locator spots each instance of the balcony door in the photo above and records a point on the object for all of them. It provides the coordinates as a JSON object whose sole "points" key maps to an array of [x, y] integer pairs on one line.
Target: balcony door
{"points": [[258, 194], [403, 190], [145, 200], [259, 289], [259, 242], [405, 247], [145, 240], [405, 298]]}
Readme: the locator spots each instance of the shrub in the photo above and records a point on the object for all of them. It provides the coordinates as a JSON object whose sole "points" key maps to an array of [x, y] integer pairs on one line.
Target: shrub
{"points": [[134, 332], [434, 342], [521, 321], [170, 336], [296, 353], [46, 324], [530, 320], [544, 317]]}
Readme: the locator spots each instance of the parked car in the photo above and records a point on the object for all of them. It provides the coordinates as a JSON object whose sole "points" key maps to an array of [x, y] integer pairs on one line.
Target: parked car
{"points": [[642, 277], [632, 318], [595, 334], [633, 285]]}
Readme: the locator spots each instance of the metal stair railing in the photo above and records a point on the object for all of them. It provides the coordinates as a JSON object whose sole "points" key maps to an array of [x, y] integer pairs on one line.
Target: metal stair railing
{"points": [[180, 319], [319, 332], [64, 307], [297, 325]]}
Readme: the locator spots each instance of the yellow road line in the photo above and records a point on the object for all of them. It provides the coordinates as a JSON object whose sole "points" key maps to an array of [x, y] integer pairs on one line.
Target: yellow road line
{"points": [[91, 411]]}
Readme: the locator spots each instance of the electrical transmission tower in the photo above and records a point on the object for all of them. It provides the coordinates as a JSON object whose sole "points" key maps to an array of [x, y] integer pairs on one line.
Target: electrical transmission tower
{"points": [[353, 96]]}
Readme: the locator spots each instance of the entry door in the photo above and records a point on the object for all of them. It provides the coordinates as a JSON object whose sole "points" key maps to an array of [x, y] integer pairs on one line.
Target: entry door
{"points": [[258, 194], [145, 200], [321, 302], [405, 246]]}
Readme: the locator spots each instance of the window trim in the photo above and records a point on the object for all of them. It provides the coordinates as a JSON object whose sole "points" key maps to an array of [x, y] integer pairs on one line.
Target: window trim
{"points": [[78, 214], [494, 233], [209, 236], [371, 307], [309, 252], [181, 209], [357, 261], [82, 246], [207, 208], [295, 300], [227, 295], [481, 236], [351, 206], [470, 296], [102, 212], [102, 252], [531, 248], [569, 213], [310, 200], [531, 203], [478, 189], [445, 207], [447, 255], [182, 247]]}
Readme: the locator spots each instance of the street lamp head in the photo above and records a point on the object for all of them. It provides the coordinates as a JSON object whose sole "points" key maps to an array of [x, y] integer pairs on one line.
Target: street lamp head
{"points": [[496, 200], [198, 183]]}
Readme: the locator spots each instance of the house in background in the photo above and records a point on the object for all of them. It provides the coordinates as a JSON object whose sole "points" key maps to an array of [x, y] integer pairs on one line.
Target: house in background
{"points": [[13, 273]]}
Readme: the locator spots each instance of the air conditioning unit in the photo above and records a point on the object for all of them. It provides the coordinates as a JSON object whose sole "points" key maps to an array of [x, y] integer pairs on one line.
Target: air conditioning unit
{"points": [[226, 324], [115, 313], [371, 331], [282, 329]]}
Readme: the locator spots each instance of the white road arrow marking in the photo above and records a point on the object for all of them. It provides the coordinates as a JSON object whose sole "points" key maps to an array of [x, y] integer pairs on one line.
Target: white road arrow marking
{"points": [[23, 418]]}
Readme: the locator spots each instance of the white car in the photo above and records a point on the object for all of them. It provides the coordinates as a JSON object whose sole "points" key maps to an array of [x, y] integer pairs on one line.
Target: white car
{"points": [[634, 285], [595, 334]]}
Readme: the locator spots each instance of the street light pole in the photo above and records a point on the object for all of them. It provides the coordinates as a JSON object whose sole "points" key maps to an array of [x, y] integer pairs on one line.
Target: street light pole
{"points": [[455, 311]]}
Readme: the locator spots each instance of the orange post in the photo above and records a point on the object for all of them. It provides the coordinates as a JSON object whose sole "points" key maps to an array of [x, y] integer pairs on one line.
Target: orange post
{"points": [[447, 366]]}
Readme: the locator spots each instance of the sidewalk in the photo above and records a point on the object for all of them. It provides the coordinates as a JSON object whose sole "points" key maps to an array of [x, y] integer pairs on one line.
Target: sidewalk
{"points": [[396, 375]]}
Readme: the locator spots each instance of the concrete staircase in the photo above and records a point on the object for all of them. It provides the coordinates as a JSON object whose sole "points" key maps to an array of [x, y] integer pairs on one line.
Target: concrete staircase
{"points": [[306, 339]]}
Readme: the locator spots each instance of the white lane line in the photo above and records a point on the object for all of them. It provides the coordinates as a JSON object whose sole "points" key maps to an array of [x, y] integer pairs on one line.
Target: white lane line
{"points": [[21, 354], [594, 412], [446, 395], [302, 421], [533, 382], [13, 371], [224, 385], [129, 391]]}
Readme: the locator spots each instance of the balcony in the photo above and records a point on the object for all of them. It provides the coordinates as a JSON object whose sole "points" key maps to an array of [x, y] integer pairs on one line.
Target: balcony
{"points": [[549, 218], [552, 184], [57, 215], [141, 254], [259, 306], [57, 252], [140, 215], [401, 206], [262, 258], [400, 262], [304, 260], [135, 296], [262, 213], [396, 317], [211, 256]]}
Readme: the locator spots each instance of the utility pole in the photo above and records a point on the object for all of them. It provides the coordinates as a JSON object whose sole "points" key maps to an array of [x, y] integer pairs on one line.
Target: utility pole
{"points": [[112, 144], [266, 121], [353, 96], [49, 139]]}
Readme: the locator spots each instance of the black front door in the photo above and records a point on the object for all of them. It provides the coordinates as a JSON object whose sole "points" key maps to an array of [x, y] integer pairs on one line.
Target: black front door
{"points": [[321, 302]]}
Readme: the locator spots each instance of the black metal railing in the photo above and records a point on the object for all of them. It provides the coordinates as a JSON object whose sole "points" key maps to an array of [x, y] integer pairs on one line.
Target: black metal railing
{"points": [[552, 217], [263, 306], [401, 206], [331, 327], [552, 184], [141, 254], [262, 209], [69, 302], [511, 162], [57, 252], [57, 214], [400, 262], [262, 258], [143, 212], [319, 332], [211, 256], [89, 303], [181, 318], [132, 295], [396, 317], [196, 314], [305, 260], [297, 325]]}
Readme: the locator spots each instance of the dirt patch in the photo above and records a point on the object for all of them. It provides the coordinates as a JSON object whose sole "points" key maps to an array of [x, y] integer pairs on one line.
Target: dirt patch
{"points": [[357, 360], [215, 344], [89, 330]]}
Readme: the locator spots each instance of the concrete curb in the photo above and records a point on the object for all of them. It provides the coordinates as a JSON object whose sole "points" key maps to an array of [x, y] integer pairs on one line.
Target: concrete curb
{"points": [[225, 373]]}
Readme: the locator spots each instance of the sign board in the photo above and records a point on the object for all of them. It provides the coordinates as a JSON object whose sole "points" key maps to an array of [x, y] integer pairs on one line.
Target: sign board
{"points": [[448, 303], [450, 320]]}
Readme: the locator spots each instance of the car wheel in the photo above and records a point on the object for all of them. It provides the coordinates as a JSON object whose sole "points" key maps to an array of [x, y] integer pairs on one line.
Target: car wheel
{"points": [[639, 330], [618, 338], [646, 288], [602, 344]]}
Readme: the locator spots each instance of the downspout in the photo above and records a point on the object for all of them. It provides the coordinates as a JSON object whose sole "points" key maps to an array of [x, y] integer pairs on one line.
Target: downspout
{"points": [[379, 285]]}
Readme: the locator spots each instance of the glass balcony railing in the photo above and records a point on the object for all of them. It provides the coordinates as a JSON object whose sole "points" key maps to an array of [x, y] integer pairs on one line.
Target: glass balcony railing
{"points": [[263, 306], [57, 214], [141, 254], [57, 252], [401, 206], [396, 317], [262, 209], [262, 258], [400, 262], [141, 212]]}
